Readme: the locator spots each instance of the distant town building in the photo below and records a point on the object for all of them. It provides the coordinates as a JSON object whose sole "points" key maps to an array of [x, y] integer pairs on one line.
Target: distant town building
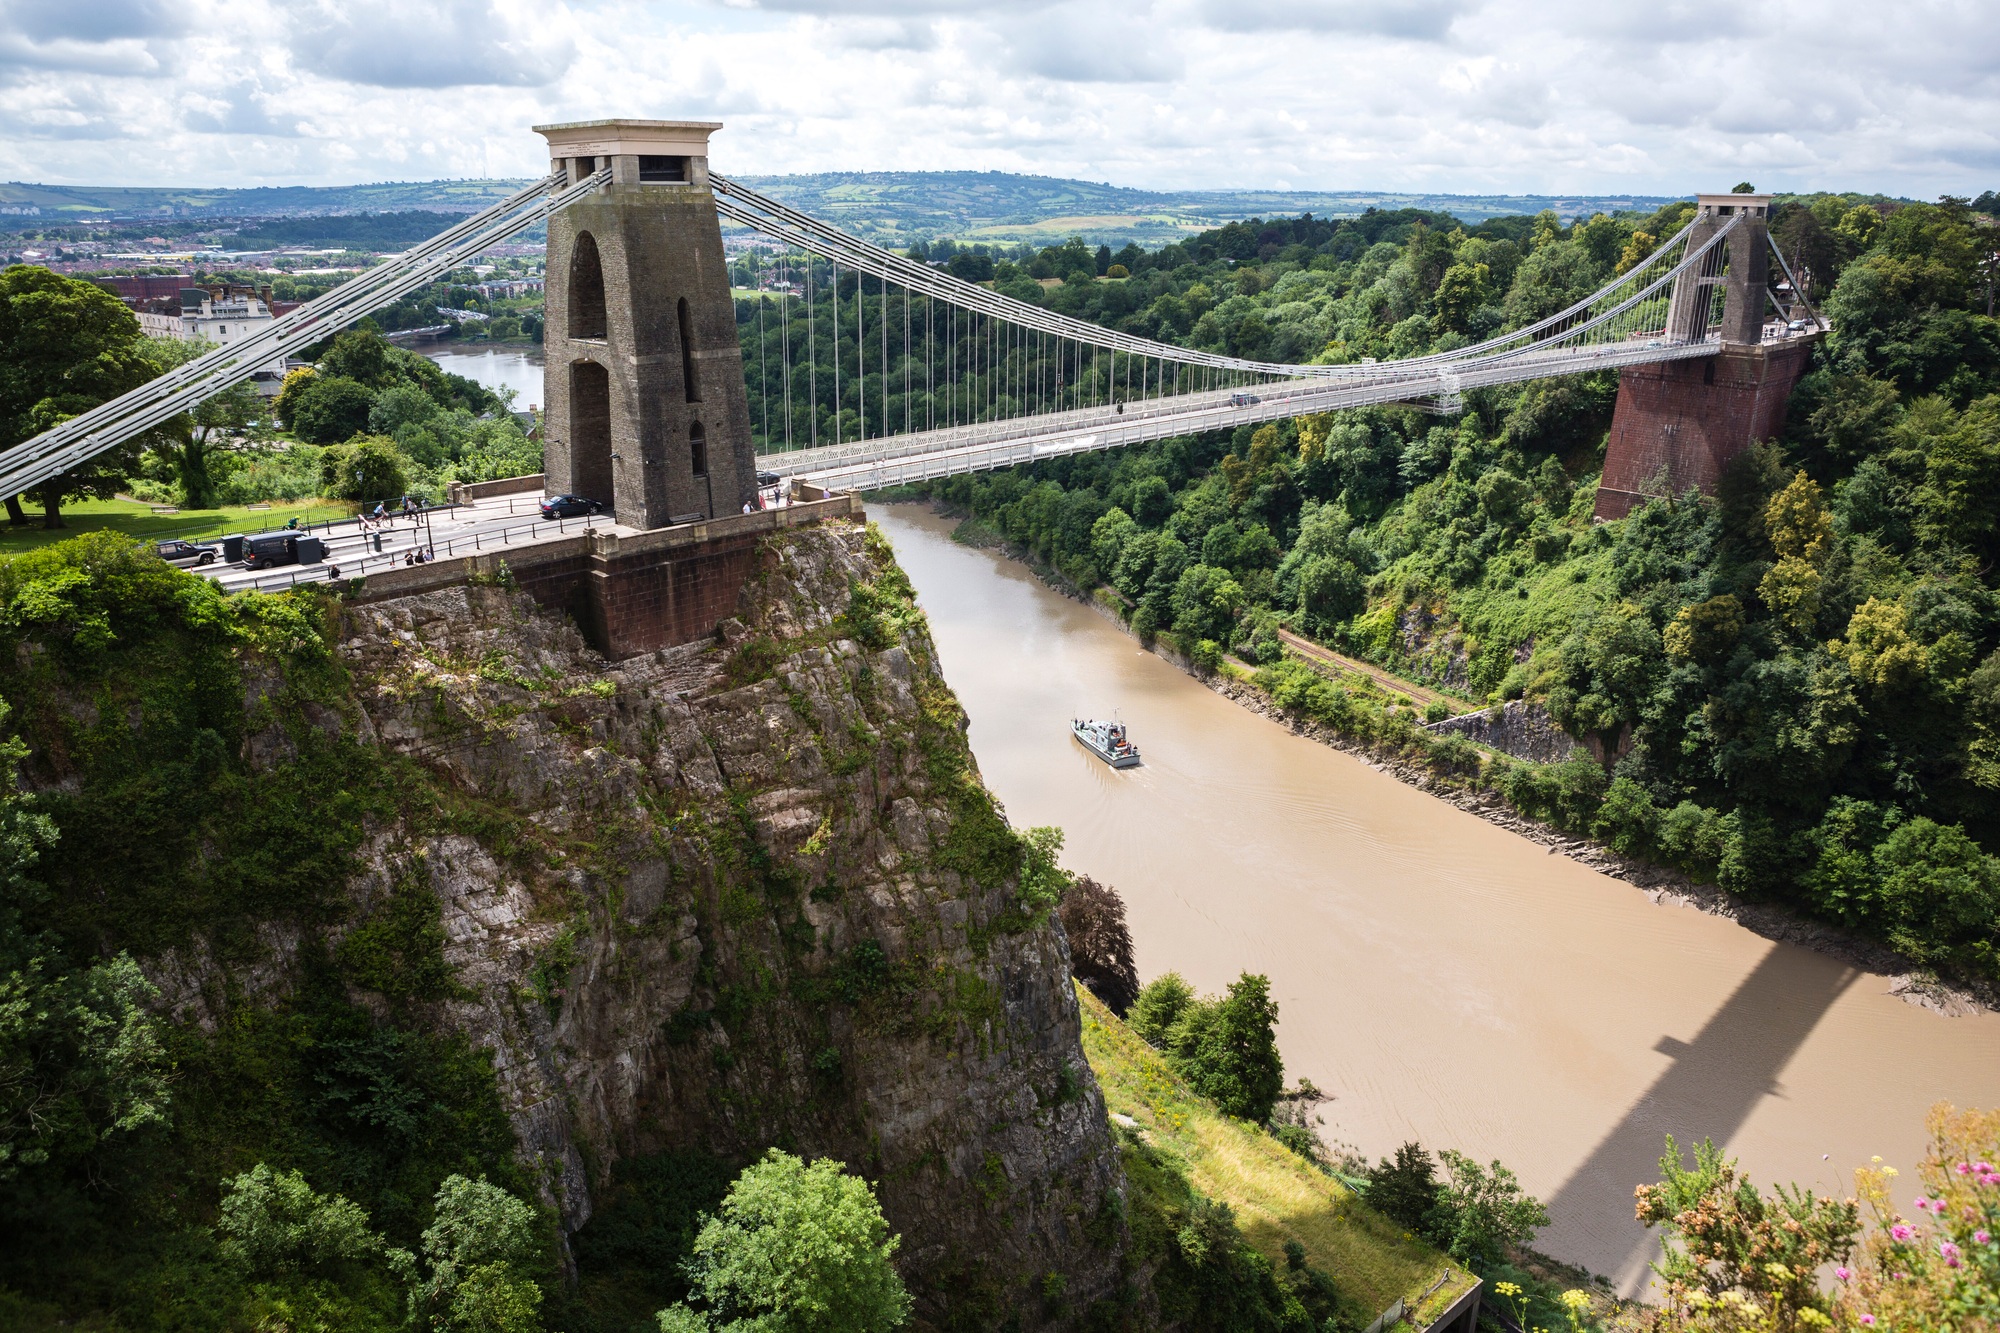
{"points": [[168, 306]]}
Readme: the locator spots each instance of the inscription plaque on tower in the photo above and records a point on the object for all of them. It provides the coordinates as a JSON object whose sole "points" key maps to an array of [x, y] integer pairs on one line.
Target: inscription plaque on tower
{"points": [[644, 398]]}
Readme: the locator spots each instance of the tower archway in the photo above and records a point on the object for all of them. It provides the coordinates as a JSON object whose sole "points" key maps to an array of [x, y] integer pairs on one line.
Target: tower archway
{"points": [[590, 431], [586, 289]]}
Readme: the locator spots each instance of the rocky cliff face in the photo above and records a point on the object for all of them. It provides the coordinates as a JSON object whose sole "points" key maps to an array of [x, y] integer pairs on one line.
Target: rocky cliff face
{"points": [[740, 894]]}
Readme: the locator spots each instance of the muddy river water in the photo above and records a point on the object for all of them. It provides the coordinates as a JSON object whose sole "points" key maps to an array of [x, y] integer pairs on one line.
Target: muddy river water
{"points": [[1445, 979]]}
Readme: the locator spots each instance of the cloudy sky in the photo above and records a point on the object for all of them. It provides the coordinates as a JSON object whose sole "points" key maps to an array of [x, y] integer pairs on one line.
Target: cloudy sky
{"points": [[1544, 96]]}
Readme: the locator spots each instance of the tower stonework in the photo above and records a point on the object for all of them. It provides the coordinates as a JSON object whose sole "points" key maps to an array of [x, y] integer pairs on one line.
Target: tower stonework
{"points": [[644, 396], [1679, 424]]}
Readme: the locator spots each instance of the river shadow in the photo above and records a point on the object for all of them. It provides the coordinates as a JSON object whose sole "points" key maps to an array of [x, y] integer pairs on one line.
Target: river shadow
{"points": [[1709, 1091]]}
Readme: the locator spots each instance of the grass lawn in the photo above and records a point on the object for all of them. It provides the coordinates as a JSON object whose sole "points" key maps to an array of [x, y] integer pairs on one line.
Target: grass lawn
{"points": [[138, 520], [1276, 1194]]}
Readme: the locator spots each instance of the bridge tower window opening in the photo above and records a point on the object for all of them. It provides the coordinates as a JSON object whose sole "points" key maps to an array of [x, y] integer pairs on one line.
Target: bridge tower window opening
{"points": [[586, 289], [689, 383], [658, 170], [590, 431], [697, 450]]}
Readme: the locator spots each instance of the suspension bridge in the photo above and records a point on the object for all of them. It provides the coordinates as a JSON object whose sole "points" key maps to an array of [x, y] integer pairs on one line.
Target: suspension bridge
{"points": [[648, 411]]}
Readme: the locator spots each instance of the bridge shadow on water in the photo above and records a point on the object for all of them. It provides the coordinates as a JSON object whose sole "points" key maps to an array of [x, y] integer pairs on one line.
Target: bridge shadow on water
{"points": [[1714, 1084]]}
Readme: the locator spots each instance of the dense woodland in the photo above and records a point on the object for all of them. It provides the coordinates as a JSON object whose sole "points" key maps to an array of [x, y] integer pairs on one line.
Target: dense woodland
{"points": [[1795, 686]]}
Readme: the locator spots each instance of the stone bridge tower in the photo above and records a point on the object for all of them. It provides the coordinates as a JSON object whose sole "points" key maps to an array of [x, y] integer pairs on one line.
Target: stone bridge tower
{"points": [[1681, 423], [645, 403]]}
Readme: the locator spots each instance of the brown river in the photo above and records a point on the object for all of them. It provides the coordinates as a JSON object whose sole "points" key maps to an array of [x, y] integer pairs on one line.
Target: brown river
{"points": [[1444, 979]]}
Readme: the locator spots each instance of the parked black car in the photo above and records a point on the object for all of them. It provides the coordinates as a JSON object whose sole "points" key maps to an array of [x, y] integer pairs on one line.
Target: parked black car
{"points": [[178, 552], [768, 479], [570, 506]]}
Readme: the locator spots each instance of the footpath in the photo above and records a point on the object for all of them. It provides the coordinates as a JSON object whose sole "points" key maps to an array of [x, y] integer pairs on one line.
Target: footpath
{"points": [[1394, 684]]}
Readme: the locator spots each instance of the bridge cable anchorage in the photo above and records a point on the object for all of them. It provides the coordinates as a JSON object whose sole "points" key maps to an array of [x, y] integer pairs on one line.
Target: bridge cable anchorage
{"points": [[54, 451]]}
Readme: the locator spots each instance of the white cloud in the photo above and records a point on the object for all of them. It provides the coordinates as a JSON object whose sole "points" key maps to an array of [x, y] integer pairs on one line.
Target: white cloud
{"points": [[428, 43], [1522, 95], [1428, 20]]}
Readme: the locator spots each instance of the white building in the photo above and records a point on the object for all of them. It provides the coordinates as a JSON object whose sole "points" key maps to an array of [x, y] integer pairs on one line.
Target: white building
{"points": [[222, 320]]}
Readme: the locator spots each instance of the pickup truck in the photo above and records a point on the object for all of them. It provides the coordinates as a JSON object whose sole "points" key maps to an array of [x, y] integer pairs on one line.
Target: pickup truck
{"points": [[178, 552]]}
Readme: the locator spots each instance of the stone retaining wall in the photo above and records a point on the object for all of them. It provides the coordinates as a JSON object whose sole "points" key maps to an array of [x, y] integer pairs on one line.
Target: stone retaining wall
{"points": [[632, 593]]}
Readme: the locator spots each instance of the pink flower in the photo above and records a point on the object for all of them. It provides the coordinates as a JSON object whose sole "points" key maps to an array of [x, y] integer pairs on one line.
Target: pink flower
{"points": [[1983, 1167], [1843, 1272], [1923, 1204], [1964, 1168], [1949, 1251], [1981, 1237], [1902, 1231], [1868, 1320]]}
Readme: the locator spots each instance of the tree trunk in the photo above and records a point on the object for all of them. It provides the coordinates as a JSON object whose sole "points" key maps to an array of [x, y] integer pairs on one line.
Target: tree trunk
{"points": [[52, 507], [15, 514]]}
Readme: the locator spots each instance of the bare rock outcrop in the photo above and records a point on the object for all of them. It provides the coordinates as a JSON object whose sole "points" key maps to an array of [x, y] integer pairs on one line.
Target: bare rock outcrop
{"points": [[745, 893]]}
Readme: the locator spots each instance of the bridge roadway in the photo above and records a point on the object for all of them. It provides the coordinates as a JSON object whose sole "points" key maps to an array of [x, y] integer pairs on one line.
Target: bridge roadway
{"points": [[495, 524], [899, 460]]}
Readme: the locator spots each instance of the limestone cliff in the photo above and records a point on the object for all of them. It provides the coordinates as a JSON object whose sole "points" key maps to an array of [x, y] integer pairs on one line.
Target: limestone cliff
{"points": [[743, 893]]}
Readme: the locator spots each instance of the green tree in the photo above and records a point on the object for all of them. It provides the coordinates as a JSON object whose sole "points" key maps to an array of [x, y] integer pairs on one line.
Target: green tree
{"points": [[65, 346], [1611, 665], [1405, 1188], [1228, 1052], [1043, 880], [1482, 1211], [327, 409], [276, 1223], [80, 1055], [368, 469], [472, 1276], [1159, 1007], [796, 1248], [1205, 602], [1460, 293], [1940, 893], [1330, 591]]}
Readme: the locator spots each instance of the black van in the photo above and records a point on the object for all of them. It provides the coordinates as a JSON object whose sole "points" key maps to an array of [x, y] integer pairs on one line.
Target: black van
{"points": [[266, 549]]}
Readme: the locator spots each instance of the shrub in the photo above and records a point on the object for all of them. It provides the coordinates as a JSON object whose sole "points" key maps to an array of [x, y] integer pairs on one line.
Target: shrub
{"points": [[1159, 1006], [1627, 819]]}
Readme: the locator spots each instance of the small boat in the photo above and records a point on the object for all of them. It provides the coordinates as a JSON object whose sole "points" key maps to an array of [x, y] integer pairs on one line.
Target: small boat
{"points": [[1106, 740]]}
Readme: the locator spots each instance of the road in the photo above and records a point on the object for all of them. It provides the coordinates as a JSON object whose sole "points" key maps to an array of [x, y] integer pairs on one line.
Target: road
{"points": [[485, 525]]}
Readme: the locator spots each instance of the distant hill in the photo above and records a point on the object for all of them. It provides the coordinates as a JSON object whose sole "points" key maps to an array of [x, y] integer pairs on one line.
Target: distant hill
{"points": [[999, 206], [882, 205]]}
